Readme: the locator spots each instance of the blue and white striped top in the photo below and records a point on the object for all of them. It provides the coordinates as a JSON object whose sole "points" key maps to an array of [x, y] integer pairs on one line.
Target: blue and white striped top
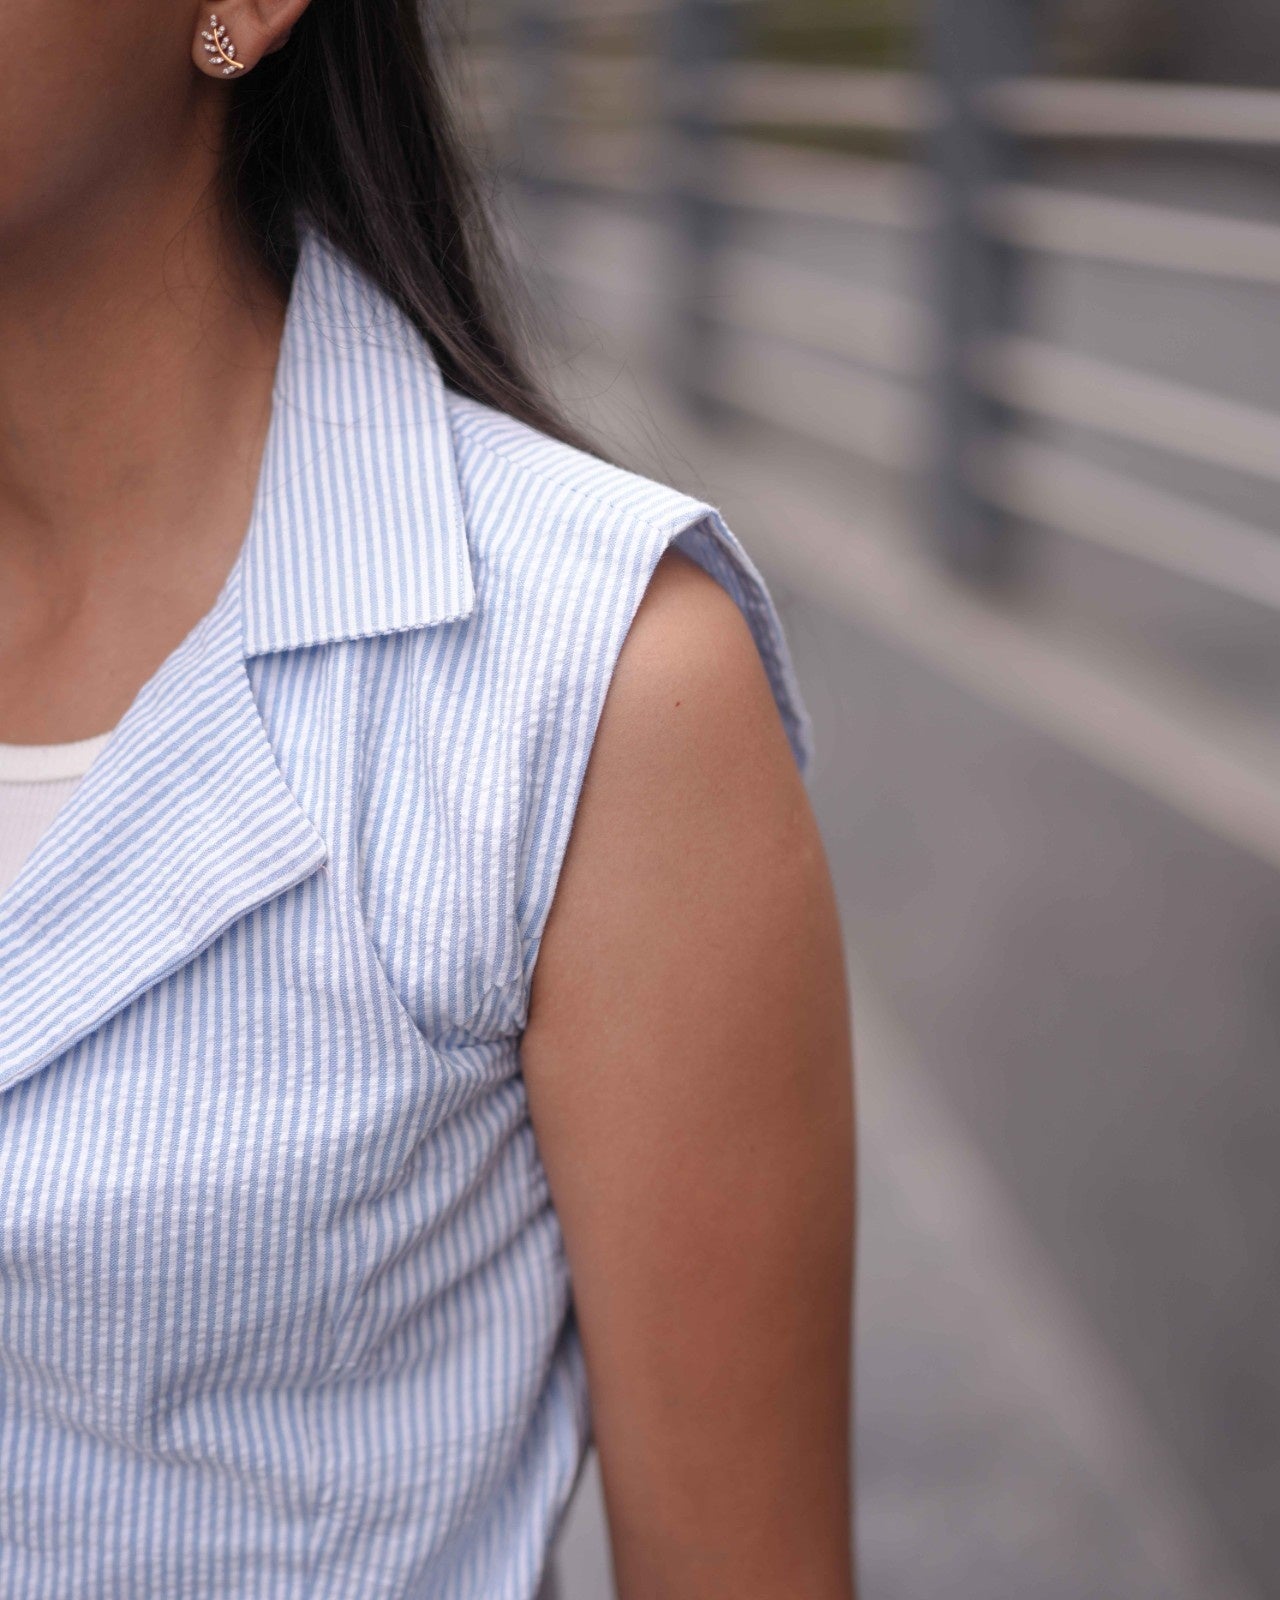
{"points": [[284, 1305]]}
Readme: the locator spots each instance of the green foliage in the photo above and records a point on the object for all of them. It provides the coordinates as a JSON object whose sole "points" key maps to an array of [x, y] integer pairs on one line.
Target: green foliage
{"points": [[852, 33]]}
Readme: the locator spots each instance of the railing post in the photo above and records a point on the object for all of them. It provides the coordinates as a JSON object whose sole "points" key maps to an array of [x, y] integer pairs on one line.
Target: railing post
{"points": [[970, 42], [537, 36], [701, 40]]}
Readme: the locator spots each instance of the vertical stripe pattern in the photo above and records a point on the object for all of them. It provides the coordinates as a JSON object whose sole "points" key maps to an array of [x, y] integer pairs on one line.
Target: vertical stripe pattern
{"points": [[284, 1306]]}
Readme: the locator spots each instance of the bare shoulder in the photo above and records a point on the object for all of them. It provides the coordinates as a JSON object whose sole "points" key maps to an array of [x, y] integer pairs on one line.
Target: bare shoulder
{"points": [[687, 1061], [690, 718], [692, 814], [688, 626]]}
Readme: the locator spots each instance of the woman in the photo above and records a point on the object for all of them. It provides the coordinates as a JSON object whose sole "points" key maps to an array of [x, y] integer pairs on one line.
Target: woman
{"points": [[388, 1100]]}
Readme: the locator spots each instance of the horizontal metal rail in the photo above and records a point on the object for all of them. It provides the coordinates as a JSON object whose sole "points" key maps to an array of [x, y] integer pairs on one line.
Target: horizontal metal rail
{"points": [[846, 367], [863, 416], [856, 413], [762, 92], [776, 94], [763, 176], [1031, 107], [1035, 481], [1085, 392], [880, 422], [819, 313], [1183, 747], [1099, 108], [758, 175], [1111, 509], [877, 193], [1135, 233], [827, 97], [860, 414]]}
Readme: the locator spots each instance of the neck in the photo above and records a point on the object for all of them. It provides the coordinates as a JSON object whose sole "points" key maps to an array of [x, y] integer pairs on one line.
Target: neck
{"points": [[139, 346]]}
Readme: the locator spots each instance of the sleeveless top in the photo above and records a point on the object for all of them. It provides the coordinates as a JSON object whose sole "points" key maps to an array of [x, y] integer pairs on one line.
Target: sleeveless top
{"points": [[285, 1310]]}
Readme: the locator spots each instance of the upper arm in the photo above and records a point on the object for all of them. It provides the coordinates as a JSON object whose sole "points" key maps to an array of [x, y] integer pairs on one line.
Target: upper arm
{"points": [[687, 1061]]}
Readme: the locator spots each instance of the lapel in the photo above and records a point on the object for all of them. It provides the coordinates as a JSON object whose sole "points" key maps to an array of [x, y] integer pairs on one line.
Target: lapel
{"points": [[185, 822]]}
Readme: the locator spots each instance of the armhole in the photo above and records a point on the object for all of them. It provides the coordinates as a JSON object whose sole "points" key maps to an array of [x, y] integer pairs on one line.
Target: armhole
{"points": [[710, 542], [565, 746]]}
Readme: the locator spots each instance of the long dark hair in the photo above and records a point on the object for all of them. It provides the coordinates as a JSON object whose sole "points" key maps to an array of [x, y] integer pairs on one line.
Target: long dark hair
{"points": [[350, 125]]}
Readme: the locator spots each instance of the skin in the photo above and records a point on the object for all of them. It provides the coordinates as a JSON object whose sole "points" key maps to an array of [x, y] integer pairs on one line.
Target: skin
{"points": [[139, 349], [687, 1056], [687, 1059]]}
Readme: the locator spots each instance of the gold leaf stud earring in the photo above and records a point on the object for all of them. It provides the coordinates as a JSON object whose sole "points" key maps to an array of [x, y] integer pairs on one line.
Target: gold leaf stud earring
{"points": [[219, 48]]}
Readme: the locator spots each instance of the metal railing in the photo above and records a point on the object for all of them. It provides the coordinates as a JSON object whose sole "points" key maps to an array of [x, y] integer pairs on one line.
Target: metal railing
{"points": [[981, 203], [942, 386]]}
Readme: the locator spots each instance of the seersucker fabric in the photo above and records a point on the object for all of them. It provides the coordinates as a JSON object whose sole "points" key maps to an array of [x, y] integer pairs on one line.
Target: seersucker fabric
{"points": [[285, 1312]]}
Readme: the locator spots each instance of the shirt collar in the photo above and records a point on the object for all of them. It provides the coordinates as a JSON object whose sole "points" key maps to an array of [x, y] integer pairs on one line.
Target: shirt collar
{"points": [[357, 526]]}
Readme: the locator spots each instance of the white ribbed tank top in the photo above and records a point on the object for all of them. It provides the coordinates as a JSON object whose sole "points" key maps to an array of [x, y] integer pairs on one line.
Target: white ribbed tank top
{"points": [[35, 782]]}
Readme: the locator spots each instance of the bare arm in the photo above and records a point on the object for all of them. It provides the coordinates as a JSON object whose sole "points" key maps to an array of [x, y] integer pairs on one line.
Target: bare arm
{"points": [[688, 1068]]}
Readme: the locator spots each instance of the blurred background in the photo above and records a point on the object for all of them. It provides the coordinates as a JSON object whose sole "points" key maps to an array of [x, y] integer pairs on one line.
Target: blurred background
{"points": [[965, 314]]}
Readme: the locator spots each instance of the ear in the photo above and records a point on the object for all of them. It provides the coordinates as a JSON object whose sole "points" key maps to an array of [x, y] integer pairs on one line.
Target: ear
{"points": [[274, 20], [231, 38]]}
